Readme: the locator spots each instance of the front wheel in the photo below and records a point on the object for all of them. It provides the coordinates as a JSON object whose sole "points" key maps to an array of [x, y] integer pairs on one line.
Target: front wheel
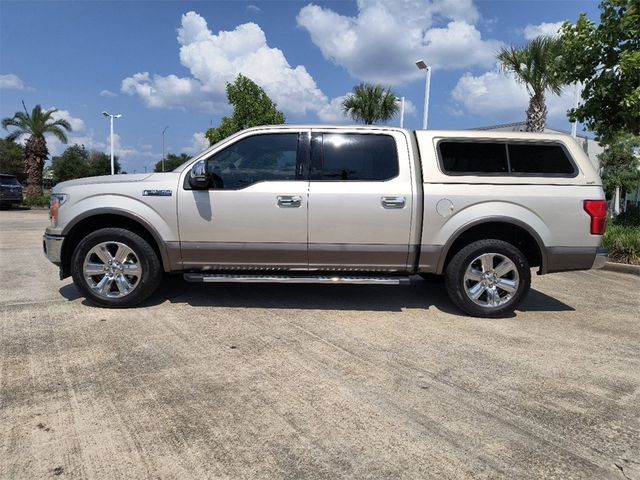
{"points": [[115, 268], [488, 278]]}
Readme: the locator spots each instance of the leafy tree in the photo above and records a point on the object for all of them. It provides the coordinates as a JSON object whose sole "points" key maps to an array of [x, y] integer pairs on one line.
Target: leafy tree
{"points": [[12, 159], [606, 59], [100, 164], [536, 67], [370, 104], [36, 125], [73, 163], [172, 161], [76, 162], [620, 164], [252, 107]]}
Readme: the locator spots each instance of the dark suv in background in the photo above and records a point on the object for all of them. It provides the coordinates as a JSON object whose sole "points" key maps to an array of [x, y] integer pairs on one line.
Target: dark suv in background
{"points": [[10, 191]]}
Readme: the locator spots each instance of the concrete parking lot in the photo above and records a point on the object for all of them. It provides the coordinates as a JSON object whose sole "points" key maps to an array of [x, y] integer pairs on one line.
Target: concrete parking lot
{"points": [[284, 381]]}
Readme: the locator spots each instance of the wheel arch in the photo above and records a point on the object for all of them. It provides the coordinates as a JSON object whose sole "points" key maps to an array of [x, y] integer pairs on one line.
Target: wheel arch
{"points": [[504, 228], [98, 218]]}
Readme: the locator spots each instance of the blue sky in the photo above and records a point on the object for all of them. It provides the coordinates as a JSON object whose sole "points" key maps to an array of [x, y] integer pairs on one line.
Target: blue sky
{"points": [[166, 63]]}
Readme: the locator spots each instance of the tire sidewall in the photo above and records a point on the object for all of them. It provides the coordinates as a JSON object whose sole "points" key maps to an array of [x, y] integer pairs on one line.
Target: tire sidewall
{"points": [[151, 269], [458, 266]]}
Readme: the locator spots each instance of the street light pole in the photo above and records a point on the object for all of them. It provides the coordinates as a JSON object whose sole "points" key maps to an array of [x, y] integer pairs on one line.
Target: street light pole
{"points": [[427, 86], [111, 117], [165, 129], [401, 100]]}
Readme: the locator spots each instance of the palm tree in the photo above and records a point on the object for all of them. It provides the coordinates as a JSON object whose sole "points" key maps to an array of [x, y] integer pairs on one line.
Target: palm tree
{"points": [[35, 150], [370, 104], [535, 66]]}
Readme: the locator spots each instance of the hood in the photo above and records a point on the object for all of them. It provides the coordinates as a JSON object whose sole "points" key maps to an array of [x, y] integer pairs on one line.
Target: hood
{"points": [[103, 179], [114, 179]]}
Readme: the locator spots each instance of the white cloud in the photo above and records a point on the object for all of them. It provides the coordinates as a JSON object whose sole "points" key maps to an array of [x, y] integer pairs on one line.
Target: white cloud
{"points": [[254, 9], [77, 124], [498, 96], [198, 143], [213, 60], [382, 43], [11, 82], [108, 94], [550, 29]]}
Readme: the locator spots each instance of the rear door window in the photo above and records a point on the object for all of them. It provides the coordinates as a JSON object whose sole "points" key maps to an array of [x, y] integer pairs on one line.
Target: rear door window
{"points": [[355, 157]]}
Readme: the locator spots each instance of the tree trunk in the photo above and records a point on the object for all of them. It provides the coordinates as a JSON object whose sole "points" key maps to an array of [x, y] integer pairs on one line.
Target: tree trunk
{"points": [[35, 153], [536, 114]]}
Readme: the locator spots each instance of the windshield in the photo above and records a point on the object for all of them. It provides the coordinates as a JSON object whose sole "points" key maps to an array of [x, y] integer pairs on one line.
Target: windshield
{"points": [[8, 180]]}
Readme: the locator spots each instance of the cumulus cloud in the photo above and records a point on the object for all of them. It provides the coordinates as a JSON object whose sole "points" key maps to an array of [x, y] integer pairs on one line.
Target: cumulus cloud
{"points": [[108, 94], [382, 43], [198, 143], [549, 29], [215, 59], [11, 82], [498, 96]]}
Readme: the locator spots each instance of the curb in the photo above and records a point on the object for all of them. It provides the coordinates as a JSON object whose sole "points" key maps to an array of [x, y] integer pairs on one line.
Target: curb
{"points": [[622, 268]]}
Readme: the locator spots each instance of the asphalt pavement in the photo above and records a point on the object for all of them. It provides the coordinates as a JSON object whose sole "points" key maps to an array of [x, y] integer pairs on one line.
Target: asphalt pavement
{"points": [[313, 382]]}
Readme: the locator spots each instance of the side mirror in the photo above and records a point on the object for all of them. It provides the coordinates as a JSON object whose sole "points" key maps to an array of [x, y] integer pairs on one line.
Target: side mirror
{"points": [[199, 177]]}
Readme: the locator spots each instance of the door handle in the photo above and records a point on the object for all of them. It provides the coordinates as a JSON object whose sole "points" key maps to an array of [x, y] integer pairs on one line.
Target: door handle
{"points": [[393, 202], [289, 201]]}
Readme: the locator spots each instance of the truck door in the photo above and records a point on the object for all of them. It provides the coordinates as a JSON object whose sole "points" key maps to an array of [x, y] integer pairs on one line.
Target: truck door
{"points": [[254, 215], [360, 201]]}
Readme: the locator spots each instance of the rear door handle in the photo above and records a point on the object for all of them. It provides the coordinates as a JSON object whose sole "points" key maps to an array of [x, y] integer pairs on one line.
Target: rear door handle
{"points": [[393, 202], [289, 201]]}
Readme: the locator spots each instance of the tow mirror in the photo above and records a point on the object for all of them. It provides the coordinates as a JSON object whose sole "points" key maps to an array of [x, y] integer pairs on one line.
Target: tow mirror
{"points": [[199, 177]]}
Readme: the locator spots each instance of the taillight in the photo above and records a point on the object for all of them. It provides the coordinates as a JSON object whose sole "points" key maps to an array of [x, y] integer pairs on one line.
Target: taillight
{"points": [[597, 210]]}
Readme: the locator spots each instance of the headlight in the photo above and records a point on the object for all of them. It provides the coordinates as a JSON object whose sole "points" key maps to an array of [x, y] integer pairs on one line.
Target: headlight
{"points": [[57, 199]]}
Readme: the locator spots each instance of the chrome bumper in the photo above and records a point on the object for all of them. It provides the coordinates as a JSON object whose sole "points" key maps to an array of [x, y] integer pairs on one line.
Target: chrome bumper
{"points": [[602, 257], [52, 245]]}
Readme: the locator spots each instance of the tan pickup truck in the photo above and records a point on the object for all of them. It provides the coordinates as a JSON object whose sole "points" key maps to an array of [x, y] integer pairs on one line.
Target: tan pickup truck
{"points": [[320, 204]]}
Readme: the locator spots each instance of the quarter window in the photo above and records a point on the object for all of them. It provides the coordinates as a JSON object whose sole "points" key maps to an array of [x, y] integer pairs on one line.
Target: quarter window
{"points": [[542, 159], [473, 157], [260, 158], [502, 158], [347, 156]]}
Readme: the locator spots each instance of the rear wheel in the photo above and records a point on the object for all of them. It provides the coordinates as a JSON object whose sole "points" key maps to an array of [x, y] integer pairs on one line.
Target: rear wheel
{"points": [[115, 268], [488, 278]]}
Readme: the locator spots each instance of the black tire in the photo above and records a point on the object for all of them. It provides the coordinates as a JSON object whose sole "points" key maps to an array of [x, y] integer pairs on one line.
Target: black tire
{"points": [[457, 268], [143, 253]]}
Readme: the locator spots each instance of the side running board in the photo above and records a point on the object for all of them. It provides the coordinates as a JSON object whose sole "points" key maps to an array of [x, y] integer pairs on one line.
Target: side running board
{"points": [[332, 279]]}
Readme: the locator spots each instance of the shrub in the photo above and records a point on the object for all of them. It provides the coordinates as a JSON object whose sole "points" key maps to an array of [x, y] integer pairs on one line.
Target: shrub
{"points": [[623, 243], [40, 201]]}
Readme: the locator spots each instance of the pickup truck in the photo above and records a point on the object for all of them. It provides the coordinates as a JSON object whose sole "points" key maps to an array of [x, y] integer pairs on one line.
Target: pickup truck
{"points": [[322, 204]]}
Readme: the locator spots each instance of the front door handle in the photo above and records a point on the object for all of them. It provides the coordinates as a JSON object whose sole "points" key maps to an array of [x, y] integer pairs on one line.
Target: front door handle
{"points": [[393, 202], [289, 201]]}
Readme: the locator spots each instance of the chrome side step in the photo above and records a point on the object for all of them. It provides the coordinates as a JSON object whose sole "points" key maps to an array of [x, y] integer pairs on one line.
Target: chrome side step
{"points": [[328, 279]]}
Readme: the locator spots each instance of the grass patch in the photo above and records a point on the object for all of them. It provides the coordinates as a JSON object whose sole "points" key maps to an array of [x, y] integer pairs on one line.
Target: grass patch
{"points": [[623, 242], [41, 201]]}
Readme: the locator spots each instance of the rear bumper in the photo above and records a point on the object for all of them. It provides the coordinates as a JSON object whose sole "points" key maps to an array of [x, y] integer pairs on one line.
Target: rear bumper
{"points": [[52, 245], [563, 259]]}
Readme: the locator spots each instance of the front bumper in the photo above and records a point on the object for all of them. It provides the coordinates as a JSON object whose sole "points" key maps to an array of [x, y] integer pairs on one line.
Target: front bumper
{"points": [[602, 257], [52, 245]]}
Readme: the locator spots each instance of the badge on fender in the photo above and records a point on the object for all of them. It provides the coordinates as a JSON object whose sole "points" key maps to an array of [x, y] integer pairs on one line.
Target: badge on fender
{"points": [[157, 193]]}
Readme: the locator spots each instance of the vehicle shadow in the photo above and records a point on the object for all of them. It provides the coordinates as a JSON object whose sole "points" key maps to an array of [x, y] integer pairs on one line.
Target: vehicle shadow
{"points": [[419, 294]]}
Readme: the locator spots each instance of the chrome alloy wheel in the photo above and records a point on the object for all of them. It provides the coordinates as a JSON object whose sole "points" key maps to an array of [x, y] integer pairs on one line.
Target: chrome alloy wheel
{"points": [[491, 280], [112, 270]]}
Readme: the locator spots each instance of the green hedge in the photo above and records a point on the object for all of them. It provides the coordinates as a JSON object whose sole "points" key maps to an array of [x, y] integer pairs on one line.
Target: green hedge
{"points": [[42, 201], [623, 243]]}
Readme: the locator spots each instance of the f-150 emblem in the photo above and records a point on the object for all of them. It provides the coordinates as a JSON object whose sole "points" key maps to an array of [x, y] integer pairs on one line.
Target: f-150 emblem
{"points": [[157, 193]]}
